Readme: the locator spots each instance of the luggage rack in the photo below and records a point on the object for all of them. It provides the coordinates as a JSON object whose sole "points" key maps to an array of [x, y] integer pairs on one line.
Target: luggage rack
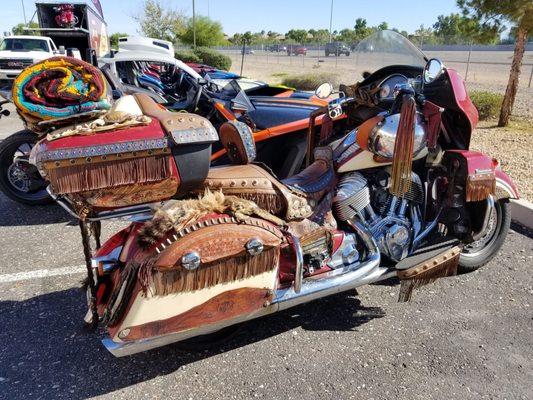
{"points": [[141, 212]]}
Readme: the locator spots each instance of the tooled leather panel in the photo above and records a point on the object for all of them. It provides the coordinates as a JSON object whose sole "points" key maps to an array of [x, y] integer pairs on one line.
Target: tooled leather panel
{"points": [[254, 183], [215, 242]]}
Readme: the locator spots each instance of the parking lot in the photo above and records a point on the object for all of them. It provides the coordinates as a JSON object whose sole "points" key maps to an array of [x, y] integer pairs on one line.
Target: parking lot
{"points": [[467, 337]]}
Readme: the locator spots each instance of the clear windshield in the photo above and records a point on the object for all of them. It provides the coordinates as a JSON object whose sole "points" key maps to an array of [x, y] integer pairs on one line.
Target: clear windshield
{"points": [[387, 48], [15, 44]]}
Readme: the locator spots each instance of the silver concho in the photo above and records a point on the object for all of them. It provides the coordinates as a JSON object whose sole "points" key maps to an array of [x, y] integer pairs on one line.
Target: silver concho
{"points": [[190, 261], [254, 247]]}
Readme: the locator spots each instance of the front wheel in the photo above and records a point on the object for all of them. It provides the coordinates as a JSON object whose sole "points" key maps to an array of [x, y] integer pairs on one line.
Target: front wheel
{"points": [[480, 252], [19, 180]]}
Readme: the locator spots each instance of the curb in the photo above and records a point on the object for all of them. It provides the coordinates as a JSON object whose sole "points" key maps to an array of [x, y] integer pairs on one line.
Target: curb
{"points": [[522, 212]]}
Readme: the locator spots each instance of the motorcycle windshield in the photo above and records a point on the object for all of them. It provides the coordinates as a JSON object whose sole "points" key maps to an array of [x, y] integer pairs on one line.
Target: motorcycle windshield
{"points": [[385, 48]]}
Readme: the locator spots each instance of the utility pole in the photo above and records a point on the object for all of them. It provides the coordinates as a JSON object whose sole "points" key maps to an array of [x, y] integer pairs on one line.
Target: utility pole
{"points": [[193, 24], [24, 12], [331, 22]]}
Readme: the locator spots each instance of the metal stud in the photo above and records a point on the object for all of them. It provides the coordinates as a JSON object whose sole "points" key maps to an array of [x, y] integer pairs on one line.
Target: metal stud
{"points": [[123, 334], [190, 261], [254, 247]]}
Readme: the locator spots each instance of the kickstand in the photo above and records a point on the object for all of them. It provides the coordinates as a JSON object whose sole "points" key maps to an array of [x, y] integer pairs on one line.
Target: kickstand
{"points": [[92, 322]]}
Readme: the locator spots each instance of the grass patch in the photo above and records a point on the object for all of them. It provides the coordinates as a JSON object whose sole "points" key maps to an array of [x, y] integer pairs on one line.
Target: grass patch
{"points": [[279, 74], [309, 81], [204, 55], [488, 104]]}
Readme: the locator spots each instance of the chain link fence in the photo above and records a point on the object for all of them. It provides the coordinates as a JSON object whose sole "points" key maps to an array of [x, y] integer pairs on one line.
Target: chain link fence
{"points": [[486, 65]]}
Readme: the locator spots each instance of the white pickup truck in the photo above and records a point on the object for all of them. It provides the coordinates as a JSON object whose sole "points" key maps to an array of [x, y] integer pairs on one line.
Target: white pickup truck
{"points": [[18, 52]]}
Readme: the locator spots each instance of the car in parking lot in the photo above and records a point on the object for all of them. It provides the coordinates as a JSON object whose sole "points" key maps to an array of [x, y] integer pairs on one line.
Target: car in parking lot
{"points": [[296, 50], [337, 48], [277, 48]]}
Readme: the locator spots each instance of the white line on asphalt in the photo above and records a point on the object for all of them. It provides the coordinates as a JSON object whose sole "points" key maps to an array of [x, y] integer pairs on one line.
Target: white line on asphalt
{"points": [[42, 273]]}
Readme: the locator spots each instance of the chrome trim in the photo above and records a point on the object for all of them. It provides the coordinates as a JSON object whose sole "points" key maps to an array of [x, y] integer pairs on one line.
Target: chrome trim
{"points": [[426, 231], [331, 282], [299, 273], [334, 281], [133, 213], [486, 218], [109, 261]]}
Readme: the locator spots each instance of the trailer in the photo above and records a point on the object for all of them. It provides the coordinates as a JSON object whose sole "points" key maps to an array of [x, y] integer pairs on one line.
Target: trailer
{"points": [[87, 33]]}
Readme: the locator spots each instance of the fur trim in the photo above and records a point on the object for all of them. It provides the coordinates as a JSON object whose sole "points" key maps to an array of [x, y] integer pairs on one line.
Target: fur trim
{"points": [[176, 214]]}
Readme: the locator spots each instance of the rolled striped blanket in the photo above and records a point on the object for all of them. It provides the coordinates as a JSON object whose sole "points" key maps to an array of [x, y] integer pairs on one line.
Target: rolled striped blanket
{"points": [[58, 88]]}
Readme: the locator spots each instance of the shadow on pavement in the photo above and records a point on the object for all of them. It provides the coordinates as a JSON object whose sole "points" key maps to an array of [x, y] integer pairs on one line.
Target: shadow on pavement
{"points": [[45, 353], [16, 214]]}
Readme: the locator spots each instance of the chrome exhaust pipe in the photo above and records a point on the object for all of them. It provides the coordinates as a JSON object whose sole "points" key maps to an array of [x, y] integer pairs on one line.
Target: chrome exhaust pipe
{"points": [[336, 281]]}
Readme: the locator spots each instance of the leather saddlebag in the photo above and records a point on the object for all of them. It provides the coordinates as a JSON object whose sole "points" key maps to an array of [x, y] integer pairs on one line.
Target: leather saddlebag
{"points": [[128, 166]]}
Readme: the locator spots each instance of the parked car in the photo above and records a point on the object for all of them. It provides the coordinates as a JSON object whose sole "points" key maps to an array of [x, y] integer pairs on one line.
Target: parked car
{"points": [[337, 48], [296, 50], [277, 48], [247, 51]]}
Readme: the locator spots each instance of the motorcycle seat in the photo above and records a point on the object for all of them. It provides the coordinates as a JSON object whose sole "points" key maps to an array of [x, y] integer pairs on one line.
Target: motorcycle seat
{"points": [[317, 178]]}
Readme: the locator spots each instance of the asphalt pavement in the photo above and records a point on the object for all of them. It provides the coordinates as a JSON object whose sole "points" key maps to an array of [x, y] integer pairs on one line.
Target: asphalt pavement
{"points": [[466, 337]]}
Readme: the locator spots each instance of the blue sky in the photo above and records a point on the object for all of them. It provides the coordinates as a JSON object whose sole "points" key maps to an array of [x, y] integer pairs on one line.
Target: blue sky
{"points": [[275, 15]]}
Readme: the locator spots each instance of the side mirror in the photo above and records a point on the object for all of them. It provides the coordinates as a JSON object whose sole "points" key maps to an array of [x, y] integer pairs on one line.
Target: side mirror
{"points": [[433, 70], [324, 91]]}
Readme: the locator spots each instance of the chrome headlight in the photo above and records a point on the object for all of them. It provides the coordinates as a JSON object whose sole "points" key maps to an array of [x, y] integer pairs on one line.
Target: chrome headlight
{"points": [[383, 135]]}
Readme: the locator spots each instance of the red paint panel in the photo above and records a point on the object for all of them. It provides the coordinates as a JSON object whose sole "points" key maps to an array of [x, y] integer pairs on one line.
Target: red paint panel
{"points": [[462, 99]]}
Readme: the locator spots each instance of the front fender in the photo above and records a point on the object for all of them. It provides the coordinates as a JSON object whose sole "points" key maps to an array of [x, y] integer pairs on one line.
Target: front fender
{"points": [[505, 187]]}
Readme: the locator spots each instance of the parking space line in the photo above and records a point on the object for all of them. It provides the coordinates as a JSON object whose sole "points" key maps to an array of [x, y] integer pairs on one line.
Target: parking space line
{"points": [[41, 273]]}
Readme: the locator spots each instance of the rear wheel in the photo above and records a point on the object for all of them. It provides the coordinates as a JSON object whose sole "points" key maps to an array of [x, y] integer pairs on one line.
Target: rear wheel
{"points": [[20, 180], [480, 252]]}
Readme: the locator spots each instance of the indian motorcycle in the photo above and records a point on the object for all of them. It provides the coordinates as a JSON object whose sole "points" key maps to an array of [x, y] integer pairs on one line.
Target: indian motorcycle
{"points": [[399, 194]]}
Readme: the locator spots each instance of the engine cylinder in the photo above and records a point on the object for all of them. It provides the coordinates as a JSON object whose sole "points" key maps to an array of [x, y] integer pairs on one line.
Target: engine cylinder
{"points": [[352, 196]]}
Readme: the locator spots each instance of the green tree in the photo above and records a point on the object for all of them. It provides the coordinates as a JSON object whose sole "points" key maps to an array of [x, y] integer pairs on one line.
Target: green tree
{"points": [[383, 26], [319, 35], [208, 32], [298, 35], [361, 30], [456, 28], [158, 22], [493, 13], [19, 29], [114, 39]]}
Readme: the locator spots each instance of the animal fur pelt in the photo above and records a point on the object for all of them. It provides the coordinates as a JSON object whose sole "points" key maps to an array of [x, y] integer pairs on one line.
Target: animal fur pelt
{"points": [[176, 214]]}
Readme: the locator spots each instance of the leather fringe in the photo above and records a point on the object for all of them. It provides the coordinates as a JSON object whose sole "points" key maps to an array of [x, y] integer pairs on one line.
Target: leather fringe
{"points": [[478, 189], [229, 270], [446, 268], [87, 176], [402, 161]]}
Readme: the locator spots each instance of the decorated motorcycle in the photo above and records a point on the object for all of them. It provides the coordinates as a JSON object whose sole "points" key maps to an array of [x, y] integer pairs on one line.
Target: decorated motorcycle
{"points": [[399, 194]]}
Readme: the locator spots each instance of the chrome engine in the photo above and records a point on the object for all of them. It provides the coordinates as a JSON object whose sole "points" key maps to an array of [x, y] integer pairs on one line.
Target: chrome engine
{"points": [[393, 221]]}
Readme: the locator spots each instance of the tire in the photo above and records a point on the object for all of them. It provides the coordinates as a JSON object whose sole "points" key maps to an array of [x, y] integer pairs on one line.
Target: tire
{"points": [[36, 194], [477, 254]]}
